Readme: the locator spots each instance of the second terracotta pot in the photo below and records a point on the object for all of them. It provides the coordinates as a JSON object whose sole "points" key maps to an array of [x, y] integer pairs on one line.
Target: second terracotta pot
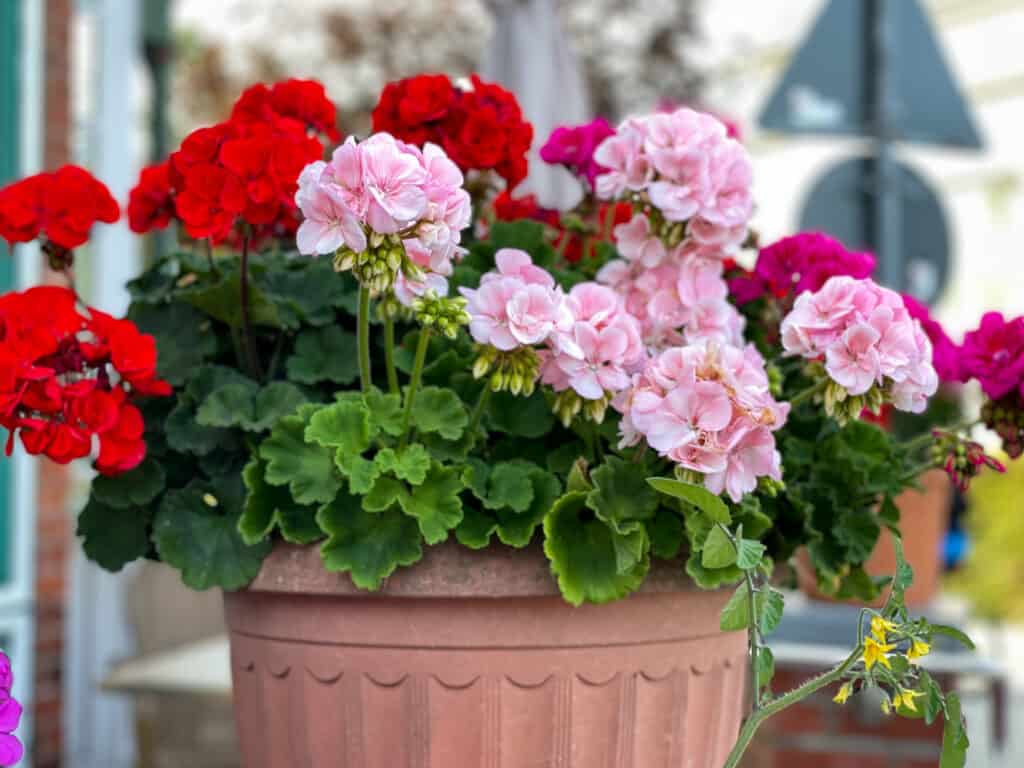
{"points": [[473, 659]]}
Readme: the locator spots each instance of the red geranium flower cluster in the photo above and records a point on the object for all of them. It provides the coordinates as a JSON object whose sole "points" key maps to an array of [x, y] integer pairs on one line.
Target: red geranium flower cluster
{"points": [[481, 128], [572, 245], [244, 169], [60, 206], [66, 376]]}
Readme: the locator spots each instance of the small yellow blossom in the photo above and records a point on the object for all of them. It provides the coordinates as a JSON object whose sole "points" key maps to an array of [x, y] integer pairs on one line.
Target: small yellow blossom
{"points": [[880, 626], [906, 698], [875, 653], [844, 693], [886, 706], [918, 648]]}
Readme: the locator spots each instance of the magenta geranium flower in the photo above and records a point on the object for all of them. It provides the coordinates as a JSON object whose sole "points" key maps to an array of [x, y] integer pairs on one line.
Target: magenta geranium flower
{"points": [[573, 146], [994, 355], [11, 749]]}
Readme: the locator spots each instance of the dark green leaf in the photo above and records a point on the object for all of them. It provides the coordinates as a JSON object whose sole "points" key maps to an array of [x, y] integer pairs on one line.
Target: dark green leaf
{"points": [[435, 503], [196, 531], [344, 425], [269, 507], [665, 530], [111, 537], [368, 546], [858, 532], [324, 354], [697, 495], [621, 496], [410, 463], [476, 529], [509, 485], [516, 530], [135, 488], [582, 551], [246, 406], [521, 416], [954, 735], [184, 337], [222, 301]]}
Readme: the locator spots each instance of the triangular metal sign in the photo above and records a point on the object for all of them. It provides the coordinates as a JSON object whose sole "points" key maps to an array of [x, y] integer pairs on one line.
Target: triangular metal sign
{"points": [[826, 87]]}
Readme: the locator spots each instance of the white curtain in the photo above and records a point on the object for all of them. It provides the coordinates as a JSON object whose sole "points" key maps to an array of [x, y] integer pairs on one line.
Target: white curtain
{"points": [[531, 56]]}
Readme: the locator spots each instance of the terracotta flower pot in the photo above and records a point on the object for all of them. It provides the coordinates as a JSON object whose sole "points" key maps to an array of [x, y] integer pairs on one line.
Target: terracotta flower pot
{"points": [[472, 659], [924, 518]]}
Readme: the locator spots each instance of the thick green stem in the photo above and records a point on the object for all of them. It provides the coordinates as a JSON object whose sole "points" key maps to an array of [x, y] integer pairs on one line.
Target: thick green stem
{"points": [[479, 408], [775, 706], [808, 393], [414, 383], [752, 645], [363, 329], [389, 354]]}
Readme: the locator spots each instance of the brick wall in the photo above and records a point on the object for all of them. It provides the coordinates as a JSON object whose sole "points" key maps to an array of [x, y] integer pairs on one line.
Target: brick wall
{"points": [[54, 527], [817, 733]]}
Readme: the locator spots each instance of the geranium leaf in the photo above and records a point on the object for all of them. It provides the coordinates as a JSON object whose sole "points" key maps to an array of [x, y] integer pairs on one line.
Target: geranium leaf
{"points": [[435, 503], [220, 301], [410, 463], [306, 468], [184, 337], [385, 412], [343, 425], [304, 291], [196, 531], [439, 410], [228, 406], [476, 529], [516, 530], [361, 473], [185, 435], [277, 399], [582, 551], [135, 488], [718, 551], [508, 485], [324, 354], [520, 416], [858, 531], [269, 507], [112, 537], [368, 546], [666, 533], [385, 493], [621, 496], [697, 495]]}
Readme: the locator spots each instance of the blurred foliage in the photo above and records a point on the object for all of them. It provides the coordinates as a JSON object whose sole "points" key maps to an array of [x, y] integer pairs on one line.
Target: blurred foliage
{"points": [[994, 570]]}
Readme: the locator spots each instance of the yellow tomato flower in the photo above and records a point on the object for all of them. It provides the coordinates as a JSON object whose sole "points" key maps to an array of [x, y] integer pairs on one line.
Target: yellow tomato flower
{"points": [[844, 693], [880, 626], [918, 649], [906, 698], [875, 653]]}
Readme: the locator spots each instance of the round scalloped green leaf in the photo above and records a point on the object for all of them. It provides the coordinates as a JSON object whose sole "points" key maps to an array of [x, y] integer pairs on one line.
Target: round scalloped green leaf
{"points": [[516, 530], [184, 337], [385, 412], [439, 410], [520, 416], [621, 495], [306, 468], [324, 354], [220, 300], [268, 507], [368, 546], [410, 463], [196, 531], [665, 531], [582, 551], [509, 485], [111, 537], [476, 529], [435, 503], [135, 488], [343, 425]]}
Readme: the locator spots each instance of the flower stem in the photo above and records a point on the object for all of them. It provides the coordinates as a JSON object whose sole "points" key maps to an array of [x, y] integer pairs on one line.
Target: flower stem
{"points": [[248, 342], [414, 383], [808, 393], [363, 330], [389, 354], [752, 645], [795, 696], [479, 408]]}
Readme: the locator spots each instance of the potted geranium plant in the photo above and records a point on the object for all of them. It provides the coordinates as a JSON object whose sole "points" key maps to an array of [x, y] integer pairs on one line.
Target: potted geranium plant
{"points": [[478, 491]]}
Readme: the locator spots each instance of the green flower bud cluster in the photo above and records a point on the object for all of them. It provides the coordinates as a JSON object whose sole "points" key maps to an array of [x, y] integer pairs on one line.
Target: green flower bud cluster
{"points": [[568, 405], [691, 476], [513, 371], [844, 407], [379, 265], [770, 487], [446, 314], [775, 379]]}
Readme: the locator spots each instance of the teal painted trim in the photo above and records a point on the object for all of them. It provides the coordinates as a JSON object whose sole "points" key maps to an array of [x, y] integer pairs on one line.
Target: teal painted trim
{"points": [[10, 135]]}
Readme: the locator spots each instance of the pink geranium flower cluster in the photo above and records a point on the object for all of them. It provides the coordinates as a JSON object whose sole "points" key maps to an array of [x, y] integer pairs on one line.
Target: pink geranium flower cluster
{"points": [[945, 353], [598, 351], [866, 337], [516, 305], [385, 187], [709, 408], [679, 295], [687, 167]]}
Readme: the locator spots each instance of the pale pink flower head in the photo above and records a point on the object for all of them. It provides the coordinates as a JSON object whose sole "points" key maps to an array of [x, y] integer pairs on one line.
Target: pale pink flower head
{"points": [[729, 202], [346, 171], [488, 309], [593, 303], [534, 312], [407, 291], [636, 242], [394, 179], [328, 222], [866, 337], [623, 155], [751, 454], [512, 262]]}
